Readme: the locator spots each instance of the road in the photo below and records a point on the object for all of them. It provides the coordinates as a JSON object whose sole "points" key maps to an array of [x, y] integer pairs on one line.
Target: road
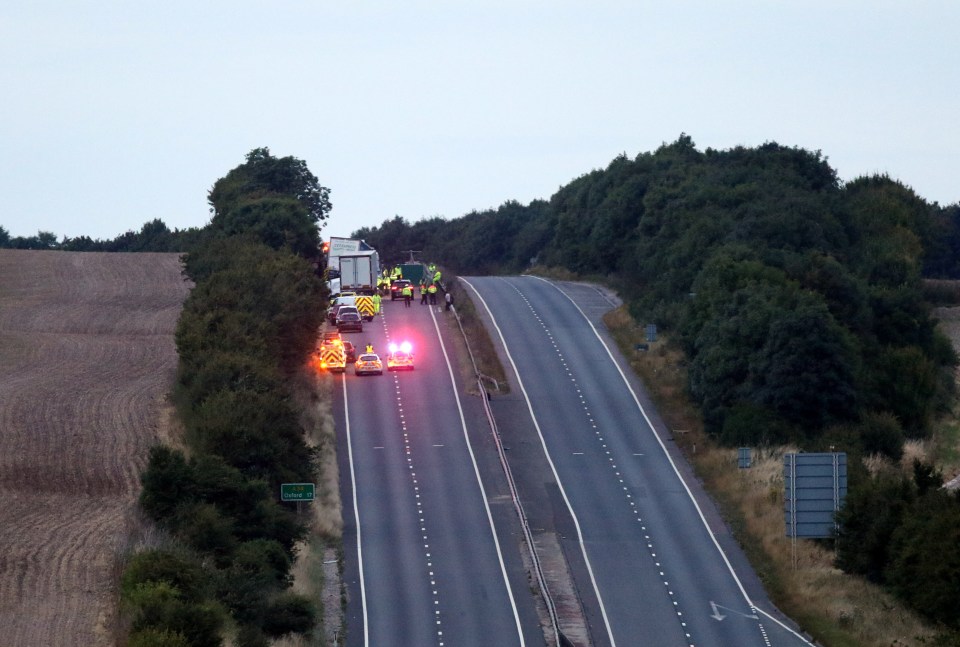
{"points": [[432, 553], [653, 563]]}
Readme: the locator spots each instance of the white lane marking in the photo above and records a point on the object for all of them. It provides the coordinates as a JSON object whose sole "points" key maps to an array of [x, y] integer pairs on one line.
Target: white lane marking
{"points": [[356, 514], [419, 505], [603, 445], [476, 471], [543, 443], [676, 471]]}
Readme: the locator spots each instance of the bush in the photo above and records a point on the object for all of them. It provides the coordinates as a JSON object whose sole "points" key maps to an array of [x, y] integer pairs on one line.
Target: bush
{"points": [[181, 571], [925, 571], [871, 514], [259, 568], [167, 481], [288, 613], [153, 637], [251, 636], [881, 433], [159, 606], [206, 529]]}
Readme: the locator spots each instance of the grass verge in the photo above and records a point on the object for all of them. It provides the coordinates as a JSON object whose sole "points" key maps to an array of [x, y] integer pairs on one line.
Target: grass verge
{"points": [[318, 570], [480, 345]]}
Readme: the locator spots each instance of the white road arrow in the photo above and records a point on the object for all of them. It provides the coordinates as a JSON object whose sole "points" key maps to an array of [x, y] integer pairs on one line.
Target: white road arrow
{"points": [[716, 615]]}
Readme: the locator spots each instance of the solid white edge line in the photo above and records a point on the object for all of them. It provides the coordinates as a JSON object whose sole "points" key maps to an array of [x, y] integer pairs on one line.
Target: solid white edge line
{"points": [[476, 471], [543, 443], [670, 459], [356, 511]]}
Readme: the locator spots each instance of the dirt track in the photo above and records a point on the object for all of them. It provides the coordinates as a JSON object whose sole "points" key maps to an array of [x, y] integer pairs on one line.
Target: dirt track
{"points": [[86, 360]]}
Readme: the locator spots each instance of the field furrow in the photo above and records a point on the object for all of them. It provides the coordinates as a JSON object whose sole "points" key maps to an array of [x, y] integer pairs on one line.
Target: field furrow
{"points": [[86, 361]]}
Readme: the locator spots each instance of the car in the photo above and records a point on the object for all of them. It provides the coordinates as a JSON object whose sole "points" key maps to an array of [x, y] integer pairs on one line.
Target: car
{"points": [[349, 321], [368, 363], [332, 313], [400, 357], [350, 350], [345, 299], [396, 288]]}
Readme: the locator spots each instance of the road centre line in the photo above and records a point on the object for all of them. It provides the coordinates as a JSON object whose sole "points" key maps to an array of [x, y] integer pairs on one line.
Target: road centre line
{"points": [[476, 471], [663, 446]]}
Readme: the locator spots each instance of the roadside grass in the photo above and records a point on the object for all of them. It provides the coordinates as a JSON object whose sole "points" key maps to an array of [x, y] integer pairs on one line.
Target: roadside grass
{"points": [[318, 569], [837, 609], [479, 342], [943, 446]]}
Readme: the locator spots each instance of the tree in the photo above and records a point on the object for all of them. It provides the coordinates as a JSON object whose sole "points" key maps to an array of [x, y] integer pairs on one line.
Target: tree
{"points": [[903, 381], [264, 175], [925, 569], [278, 222], [806, 367], [871, 514]]}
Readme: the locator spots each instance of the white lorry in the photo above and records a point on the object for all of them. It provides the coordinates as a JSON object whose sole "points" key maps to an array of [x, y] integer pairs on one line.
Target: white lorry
{"points": [[359, 271]]}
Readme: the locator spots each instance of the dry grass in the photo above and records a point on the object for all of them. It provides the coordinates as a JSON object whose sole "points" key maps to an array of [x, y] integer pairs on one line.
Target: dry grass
{"points": [[836, 608], [317, 572], [480, 345]]}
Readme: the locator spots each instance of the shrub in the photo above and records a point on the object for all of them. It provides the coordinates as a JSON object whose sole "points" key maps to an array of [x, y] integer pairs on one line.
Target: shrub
{"points": [[181, 571], [925, 571], [159, 606], [206, 529], [881, 433], [288, 613], [153, 637], [871, 514], [167, 481]]}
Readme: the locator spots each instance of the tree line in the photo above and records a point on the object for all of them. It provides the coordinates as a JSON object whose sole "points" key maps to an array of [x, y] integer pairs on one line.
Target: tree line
{"points": [[154, 236], [245, 330], [798, 299]]}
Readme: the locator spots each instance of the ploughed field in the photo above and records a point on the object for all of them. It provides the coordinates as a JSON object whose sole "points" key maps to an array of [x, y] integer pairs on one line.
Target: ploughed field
{"points": [[87, 359]]}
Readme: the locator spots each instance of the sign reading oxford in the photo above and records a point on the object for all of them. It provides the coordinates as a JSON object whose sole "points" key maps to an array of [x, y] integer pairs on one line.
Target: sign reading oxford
{"points": [[297, 491]]}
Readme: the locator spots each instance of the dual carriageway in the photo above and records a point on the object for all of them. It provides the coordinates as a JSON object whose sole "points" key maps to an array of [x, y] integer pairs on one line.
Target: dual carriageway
{"points": [[434, 550]]}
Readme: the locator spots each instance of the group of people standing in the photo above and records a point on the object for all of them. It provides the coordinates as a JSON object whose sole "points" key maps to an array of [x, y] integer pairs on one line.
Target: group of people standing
{"points": [[429, 286]]}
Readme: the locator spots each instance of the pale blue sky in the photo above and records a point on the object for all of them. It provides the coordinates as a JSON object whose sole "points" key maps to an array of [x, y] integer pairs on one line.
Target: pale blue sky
{"points": [[113, 113]]}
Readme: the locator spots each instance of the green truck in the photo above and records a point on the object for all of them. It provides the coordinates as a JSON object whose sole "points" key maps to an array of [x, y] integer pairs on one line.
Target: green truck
{"points": [[413, 272]]}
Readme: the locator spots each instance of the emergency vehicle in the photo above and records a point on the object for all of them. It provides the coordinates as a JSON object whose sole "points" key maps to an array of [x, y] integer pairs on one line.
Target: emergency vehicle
{"points": [[400, 357], [332, 356]]}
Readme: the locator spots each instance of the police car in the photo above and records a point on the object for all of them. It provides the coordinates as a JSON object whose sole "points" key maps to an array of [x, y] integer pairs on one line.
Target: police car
{"points": [[400, 357], [368, 363]]}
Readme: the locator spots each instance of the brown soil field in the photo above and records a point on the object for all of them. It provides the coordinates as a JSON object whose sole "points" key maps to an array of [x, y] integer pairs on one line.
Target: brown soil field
{"points": [[87, 359]]}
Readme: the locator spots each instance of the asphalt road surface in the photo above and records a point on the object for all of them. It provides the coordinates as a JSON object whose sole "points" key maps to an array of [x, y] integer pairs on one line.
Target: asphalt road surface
{"points": [[652, 560], [432, 558]]}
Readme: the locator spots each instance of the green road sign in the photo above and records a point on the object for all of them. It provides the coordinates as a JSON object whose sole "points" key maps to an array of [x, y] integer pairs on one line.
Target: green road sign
{"points": [[297, 491]]}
